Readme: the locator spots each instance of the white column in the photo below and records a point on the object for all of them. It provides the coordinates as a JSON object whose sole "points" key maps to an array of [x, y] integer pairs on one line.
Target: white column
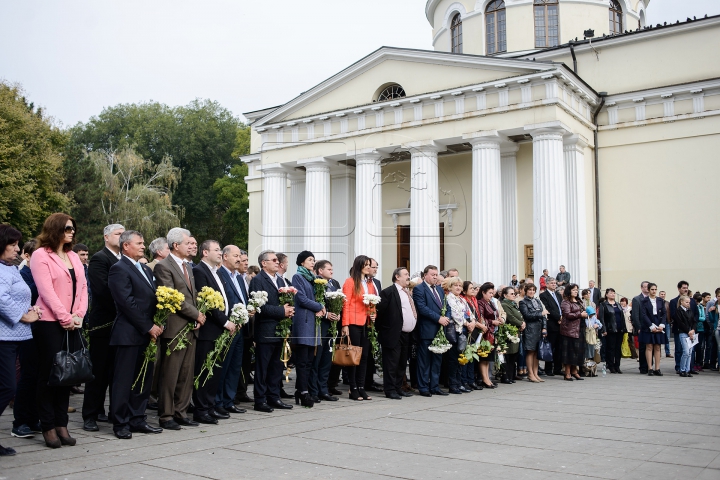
{"points": [[508, 167], [296, 230], [486, 211], [317, 206], [368, 204], [274, 207], [574, 151], [342, 220], [424, 206], [549, 198]]}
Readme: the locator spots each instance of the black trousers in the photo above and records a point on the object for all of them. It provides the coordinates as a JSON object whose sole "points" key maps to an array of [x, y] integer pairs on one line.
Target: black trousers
{"points": [[268, 372], [510, 366], [52, 402], [643, 361], [453, 367], [247, 367], [8, 355], [613, 352], [127, 404], [394, 362], [303, 355], [102, 357], [556, 366], [204, 394], [359, 338], [25, 409], [370, 372]]}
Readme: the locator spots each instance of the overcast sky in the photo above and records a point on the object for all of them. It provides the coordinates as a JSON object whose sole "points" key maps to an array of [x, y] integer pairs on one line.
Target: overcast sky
{"points": [[75, 57]]}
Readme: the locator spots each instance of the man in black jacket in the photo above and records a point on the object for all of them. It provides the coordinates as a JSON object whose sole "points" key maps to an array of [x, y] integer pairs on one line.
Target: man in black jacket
{"points": [[133, 289], [396, 319], [216, 323], [100, 321], [635, 319], [551, 299], [268, 367]]}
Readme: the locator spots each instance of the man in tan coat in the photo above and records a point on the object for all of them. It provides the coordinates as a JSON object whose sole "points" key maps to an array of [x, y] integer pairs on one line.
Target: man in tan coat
{"points": [[176, 371]]}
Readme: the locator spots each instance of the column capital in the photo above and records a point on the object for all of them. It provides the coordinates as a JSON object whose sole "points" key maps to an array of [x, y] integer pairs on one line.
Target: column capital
{"points": [[484, 139], [315, 164], [575, 141], [365, 155], [273, 170], [553, 128], [423, 147]]}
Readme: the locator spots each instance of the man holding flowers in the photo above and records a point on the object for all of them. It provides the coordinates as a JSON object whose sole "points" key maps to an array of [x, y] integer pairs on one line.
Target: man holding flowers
{"points": [[177, 369], [133, 291]]}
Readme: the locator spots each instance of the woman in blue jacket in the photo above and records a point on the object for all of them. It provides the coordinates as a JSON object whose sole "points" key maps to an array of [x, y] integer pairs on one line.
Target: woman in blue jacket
{"points": [[304, 334]]}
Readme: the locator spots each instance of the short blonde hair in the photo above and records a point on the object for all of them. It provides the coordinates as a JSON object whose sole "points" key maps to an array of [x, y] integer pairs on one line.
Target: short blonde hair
{"points": [[450, 281], [682, 299]]}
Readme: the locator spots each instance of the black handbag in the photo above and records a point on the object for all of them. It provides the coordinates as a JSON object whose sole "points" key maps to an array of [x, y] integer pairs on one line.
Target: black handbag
{"points": [[450, 332], [70, 369], [545, 350]]}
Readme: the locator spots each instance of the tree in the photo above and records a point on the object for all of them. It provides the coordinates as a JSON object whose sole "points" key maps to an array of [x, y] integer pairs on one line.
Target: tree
{"points": [[137, 194], [30, 163], [232, 196]]}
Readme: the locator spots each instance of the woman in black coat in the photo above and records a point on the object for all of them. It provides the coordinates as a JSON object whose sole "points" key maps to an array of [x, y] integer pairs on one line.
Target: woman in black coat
{"points": [[535, 317], [612, 316]]}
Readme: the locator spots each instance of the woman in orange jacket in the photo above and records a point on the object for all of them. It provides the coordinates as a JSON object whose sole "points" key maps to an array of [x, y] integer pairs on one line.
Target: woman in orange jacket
{"points": [[355, 321]]}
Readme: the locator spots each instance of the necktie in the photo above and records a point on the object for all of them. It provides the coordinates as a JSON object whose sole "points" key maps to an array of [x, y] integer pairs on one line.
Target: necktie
{"points": [[187, 277], [140, 269], [412, 304], [436, 296]]}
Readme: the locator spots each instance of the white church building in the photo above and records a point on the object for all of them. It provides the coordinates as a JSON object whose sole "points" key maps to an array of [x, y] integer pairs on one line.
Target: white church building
{"points": [[538, 133]]}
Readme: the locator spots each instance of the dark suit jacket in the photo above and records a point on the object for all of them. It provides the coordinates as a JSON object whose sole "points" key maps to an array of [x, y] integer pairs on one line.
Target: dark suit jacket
{"points": [[102, 308], [234, 298], [428, 311], [135, 303], [389, 319], [646, 314], [169, 274], [553, 309], [271, 313], [216, 319], [635, 313], [595, 295], [378, 286]]}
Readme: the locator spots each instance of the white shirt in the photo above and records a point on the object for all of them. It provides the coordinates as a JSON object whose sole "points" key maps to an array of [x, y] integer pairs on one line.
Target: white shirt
{"points": [[215, 275], [654, 305], [179, 261], [116, 255], [234, 278], [409, 320]]}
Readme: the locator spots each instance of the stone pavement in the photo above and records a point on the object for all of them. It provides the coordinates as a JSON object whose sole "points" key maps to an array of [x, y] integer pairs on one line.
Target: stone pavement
{"points": [[626, 426]]}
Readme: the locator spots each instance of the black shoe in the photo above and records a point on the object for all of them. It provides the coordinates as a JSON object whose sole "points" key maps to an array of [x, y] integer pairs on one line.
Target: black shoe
{"points": [[186, 422], [650, 373], [315, 398], [375, 387], [76, 390], [220, 410], [279, 404], [145, 428], [657, 373], [152, 406], [404, 394], [468, 387], [454, 391], [393, 396], [234, 409], [549, 374], [541, 373], [214, 413], [304, 399], [354, 395], [328, 398], [491, 386], [507, 381], [425, 394], [284, 394], [242, 399], [102, 418], [90, 425], [263, 407], [123, 434], [7, 451], [205, 418], [643, 372], [334, 391], [170, 425], [682, 374], [440, 392], [363, 394], [618, 371], [689, 374]]}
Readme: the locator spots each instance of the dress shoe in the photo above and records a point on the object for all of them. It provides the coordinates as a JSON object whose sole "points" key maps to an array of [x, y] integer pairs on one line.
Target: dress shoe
{"points": [[123, 434], [102, 418], [334, 391], [263, 407], [669, 355], [375, 387], [170, 425], [468, 387], [214, 413], [205, 418], [76, 390], [186, 422], [507, 381], [454, 391], [404, 394], [328, 398], [464, 390], [657, 373], [393, 396], [145, 428], [491, 386], [51, 439], [221, 410], [7, 451], [425, 394], [284, 394], [152, 406], [316, 399], [618, 371], [90, 425], [440, 392], [578, 377], [550, 374], [234, 409], [242, 399], [279, 404]]}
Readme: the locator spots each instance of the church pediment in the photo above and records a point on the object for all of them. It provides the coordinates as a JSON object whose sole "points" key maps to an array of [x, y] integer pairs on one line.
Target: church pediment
{"points": [[417, 71]]}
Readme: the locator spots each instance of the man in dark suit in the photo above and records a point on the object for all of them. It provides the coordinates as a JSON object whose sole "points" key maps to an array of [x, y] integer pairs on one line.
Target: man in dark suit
{"points": [[682, 287], [429, 300], [133, 289], [595, 294], [176, 370], [635, 318], [100, 320], [268, 367], [322, 364], [217, 322], [235, 264], [552, 300], [396, 319]]}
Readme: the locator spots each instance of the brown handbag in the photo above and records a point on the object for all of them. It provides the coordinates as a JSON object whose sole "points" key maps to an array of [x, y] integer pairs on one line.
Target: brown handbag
{"points": [[346, 355]]}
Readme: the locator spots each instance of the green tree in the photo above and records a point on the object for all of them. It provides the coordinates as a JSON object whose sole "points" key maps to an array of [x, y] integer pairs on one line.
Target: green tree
{"points": [[232, 196], [30, 163]]}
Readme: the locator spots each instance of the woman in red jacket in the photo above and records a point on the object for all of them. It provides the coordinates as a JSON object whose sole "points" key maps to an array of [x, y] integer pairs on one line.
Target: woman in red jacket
{"points": [[355, 321], [572, 344]]}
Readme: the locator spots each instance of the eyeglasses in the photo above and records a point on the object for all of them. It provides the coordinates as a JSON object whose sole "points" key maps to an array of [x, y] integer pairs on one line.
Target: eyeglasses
{"points": [[274, 260], [69, 229]]}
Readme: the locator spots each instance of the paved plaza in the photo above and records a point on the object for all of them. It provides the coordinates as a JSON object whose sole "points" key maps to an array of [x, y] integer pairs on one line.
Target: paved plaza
{"points": [[625, 426]]}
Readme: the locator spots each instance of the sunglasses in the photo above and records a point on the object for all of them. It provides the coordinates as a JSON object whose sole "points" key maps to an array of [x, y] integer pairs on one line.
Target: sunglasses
{"points": [[69, 229], [274, 260]]}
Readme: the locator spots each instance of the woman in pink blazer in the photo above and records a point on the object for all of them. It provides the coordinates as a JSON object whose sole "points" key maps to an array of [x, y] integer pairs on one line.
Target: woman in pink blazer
{"points": [[63, 299]]}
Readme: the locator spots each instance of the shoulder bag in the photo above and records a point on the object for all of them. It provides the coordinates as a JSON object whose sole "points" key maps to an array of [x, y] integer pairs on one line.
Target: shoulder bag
{"points": [[346, 355]]}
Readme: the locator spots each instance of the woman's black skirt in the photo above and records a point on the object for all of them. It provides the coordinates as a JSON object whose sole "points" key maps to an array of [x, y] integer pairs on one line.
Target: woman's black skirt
{"points": [[573, 350]]}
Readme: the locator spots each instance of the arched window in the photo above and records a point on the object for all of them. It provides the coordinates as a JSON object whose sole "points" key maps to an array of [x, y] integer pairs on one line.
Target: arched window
{"points": [[495, 27], [546, 23], [390, 92], [615, 17], [456, 34]]}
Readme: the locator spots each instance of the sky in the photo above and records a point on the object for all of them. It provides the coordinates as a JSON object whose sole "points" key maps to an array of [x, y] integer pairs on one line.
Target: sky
{"points": [[76, 57]]}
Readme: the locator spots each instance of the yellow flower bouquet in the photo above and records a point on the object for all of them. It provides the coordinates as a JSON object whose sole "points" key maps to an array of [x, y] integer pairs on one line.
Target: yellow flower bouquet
{"points": [[207, 300]]}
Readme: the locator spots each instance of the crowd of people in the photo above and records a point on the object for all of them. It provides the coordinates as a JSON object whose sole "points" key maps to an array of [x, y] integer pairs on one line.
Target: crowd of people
{"points": [[424, 331]]}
